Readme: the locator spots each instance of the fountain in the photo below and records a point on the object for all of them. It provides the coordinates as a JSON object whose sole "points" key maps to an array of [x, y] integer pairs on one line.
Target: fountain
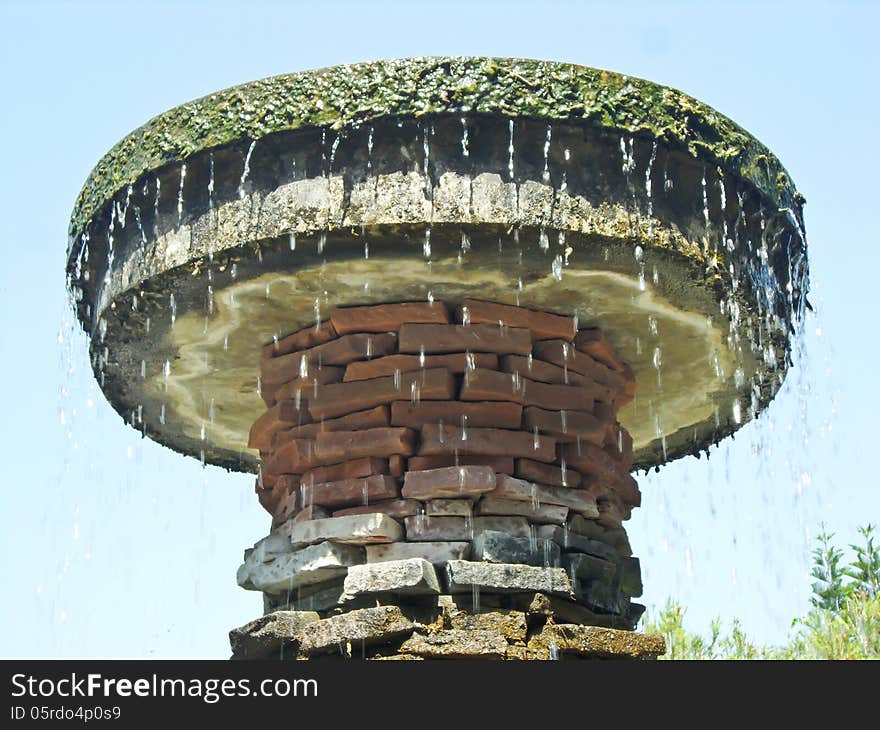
{"points": [[442, 308]]}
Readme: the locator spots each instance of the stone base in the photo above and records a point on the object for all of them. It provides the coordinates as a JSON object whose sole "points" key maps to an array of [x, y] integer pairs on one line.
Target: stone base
{"points": [[517, 627]]}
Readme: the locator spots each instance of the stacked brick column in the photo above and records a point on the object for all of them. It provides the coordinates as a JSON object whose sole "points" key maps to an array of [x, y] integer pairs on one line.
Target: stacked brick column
{"points": [[411, 451]]}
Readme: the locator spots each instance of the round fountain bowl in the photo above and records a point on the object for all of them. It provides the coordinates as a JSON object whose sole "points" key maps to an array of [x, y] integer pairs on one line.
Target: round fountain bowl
{"points": [[250, 213]]}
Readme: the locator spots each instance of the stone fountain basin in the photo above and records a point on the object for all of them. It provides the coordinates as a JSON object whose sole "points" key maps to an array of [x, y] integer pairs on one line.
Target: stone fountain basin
{"points": [[665, 224]]}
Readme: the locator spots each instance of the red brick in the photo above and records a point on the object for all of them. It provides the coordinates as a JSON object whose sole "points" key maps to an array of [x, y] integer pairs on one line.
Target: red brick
{"points": [[564, 354], [535, 471], [392, 507], [277, 418], [619, 444], [590, 459], [456, 362], [592, 340], [440, 338], [499, 464], [366, 466], [306, 386], [350, 492], [542, 325], [563, 397], [337, 446], [449, 482], [545, 372], [577, 500], [565, 425], [480, 415], [490, 385], [340, 398], [312, 512], [387, 317], [294, 457], [373, 418], [486, 442], [305, 338], [340, 351]]}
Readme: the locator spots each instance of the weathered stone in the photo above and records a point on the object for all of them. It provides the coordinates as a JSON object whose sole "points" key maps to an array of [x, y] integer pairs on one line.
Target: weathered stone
{"points": [[339, 351], [577, 500], [583, 568], [457, 644], [350, 492], [451, 481], [398, 508], [319, 597], [601, 596], [542, 325], [337, 446], [369, 626], [386, 317], [596, 641], [481, 384], [302, 340], [440, 338], [277, 418], [450, 507], [565, 426], [351, 529], [566, 611], [569, 540], [267, 636], [499, 547], [485, 442], [365, 466], [536, 471], [563, 354], [438, 529], [312, 512], [560, 397], [630, 577], [396, 465], [479, 415], [294, 457], [464, 575], [437, 553], [456, 362], [314, 564], [619, 444], [337, 399], [535, 513], [412, 576], [510, 624], [499, 464]]}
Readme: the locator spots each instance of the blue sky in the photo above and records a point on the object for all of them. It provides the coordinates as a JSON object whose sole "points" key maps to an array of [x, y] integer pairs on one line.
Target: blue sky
{"points": [[115, 546]]}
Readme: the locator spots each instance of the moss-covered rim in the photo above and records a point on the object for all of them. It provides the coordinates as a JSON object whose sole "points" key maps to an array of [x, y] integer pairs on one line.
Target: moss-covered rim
{"points": [[342, 96]]}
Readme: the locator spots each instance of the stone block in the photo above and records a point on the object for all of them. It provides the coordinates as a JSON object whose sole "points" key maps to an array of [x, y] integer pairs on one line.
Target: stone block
{"points": [[479, 415], [301, 340], [398, 508], [563, 354], [365, 466], [312, 512], [498, 464], [544, 372], [377, 417], [438, 529], [366, 626], [437, 553], [542, 325], [464, 576], [451, 481], [445, 338], [499, 547], [599, 642], [314, 564], [351, 529], [294, 457], [456, 644], [570, 541], [577, 500], [449, 440], [338, 399], [583, 568], [303, 388], [412, 576], [534, 513], [592, 340], [510, 624], [630, 577], [268, 636], [450, 507], [481, 384], [588, 458]]}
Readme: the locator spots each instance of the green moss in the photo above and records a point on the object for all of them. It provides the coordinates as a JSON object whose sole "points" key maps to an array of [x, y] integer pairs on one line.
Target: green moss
{"points": [[346, 95]]}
